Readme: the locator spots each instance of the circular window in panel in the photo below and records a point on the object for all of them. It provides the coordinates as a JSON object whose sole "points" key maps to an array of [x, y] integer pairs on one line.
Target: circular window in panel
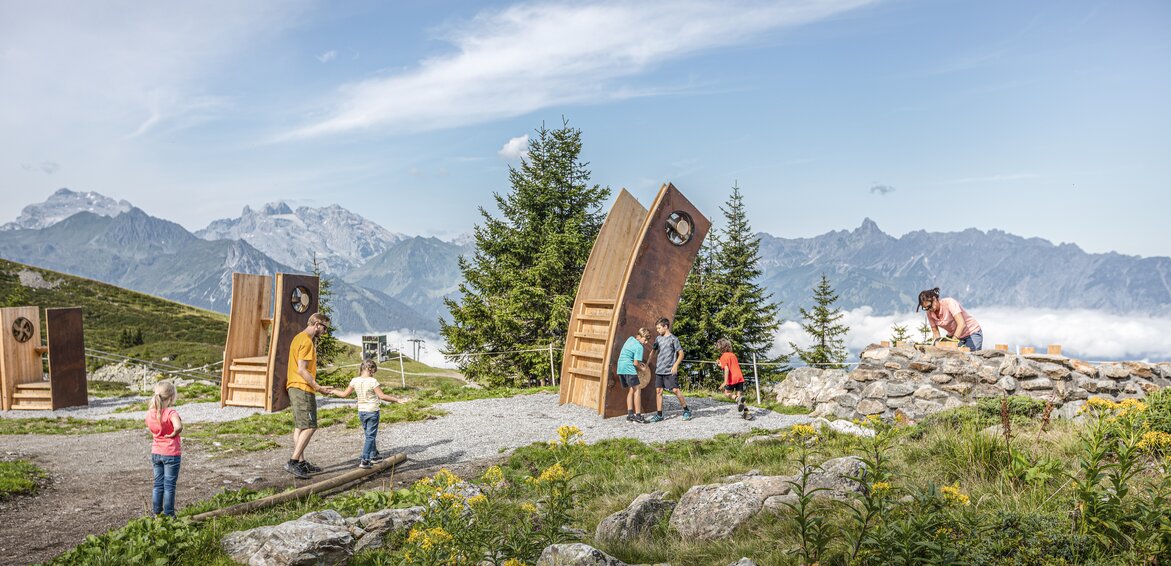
{"points": [[301, 298], [680, 229], [22, 329]]}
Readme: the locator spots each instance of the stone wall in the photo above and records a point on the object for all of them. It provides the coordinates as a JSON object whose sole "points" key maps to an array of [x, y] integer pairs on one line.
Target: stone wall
{"points": [[918, 381]]}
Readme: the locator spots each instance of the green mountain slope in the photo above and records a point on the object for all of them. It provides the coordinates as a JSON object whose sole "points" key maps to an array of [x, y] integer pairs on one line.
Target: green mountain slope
{"points": [[186, 335]]}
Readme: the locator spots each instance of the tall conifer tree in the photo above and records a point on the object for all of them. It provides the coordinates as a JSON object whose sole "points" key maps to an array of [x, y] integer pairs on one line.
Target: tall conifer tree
{"points": [[695, 316], [821, 324], [520, 282]]}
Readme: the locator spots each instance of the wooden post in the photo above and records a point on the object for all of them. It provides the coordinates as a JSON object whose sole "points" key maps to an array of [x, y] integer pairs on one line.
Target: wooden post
{"points": [[884, 343], [1002, 347], [552, 368], [400, 368], [756, 378], [1054, 349], [1025, 350]]}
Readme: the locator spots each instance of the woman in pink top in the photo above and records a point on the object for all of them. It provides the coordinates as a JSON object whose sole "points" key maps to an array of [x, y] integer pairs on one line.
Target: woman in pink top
{"points": [[164, 425], [946, 313]]}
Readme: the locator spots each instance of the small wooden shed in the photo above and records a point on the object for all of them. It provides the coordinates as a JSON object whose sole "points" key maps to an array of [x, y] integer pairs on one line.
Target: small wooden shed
{"points": [[23, 383]]}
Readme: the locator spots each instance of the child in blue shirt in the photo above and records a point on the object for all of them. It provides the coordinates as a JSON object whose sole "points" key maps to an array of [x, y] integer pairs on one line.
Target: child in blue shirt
{"points": [[629, 361]]}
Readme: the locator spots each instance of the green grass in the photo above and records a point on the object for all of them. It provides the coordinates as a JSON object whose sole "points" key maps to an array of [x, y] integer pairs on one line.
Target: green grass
{"points": [[197, 392], [66, 425], [19, 477], [105, 389]]}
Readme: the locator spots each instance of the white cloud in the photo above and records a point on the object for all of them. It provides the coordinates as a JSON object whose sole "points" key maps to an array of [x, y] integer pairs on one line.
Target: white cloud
{"points": [[327, 56], [515, 148], [1086, 334], [529, 56]]}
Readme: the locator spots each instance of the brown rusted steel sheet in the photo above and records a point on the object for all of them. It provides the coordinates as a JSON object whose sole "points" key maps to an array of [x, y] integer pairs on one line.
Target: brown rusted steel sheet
{"points": [[296, 300], [67, 377]]}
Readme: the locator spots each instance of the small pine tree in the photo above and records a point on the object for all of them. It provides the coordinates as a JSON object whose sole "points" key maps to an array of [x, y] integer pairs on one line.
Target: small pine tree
{"points": [[328, 347], [822, 325], [924, 332], [899, 334], [696, 314]]}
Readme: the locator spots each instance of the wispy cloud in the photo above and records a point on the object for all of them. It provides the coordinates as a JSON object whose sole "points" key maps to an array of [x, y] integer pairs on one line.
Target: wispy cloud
{"points": [[327, 56], [46, 167], [880, 189], [1086, 334], [515, 148], [993, 178], [530, 56]]}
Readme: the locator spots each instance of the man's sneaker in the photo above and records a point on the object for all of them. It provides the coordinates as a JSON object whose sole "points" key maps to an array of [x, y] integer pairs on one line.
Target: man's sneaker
{"points": [[309, 468], [686, 413], [632, 417], [294, 467], [365, 464], [639, 419], [740, 406], [655, 418]]}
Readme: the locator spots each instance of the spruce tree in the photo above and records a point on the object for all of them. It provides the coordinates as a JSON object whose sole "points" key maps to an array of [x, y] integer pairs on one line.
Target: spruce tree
{"points": [[521, 280], [328, 347], [924, 331], [695, 317], [747, 315], [899, 334], [821, 324]]}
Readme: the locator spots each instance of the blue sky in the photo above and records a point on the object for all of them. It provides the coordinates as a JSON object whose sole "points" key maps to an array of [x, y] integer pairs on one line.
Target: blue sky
{"points": [[1044, 119]]}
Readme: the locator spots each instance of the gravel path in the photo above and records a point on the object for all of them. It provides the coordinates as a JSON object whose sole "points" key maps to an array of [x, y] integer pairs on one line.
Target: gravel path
{"points": [[101, 481], [103, 408]]}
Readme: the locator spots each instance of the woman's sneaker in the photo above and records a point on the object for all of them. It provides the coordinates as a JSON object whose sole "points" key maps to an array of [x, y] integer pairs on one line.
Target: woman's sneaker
{"points": [[376, 458], [655, 418], [365, 464], [686, 413]]}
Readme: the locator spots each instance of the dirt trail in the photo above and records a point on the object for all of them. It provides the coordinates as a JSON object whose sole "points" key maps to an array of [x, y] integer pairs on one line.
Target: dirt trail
{"points": [[99, 482]]}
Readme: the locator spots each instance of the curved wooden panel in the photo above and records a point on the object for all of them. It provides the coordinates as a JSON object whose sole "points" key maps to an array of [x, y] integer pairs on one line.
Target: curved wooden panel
{"points": [[286, 323]]}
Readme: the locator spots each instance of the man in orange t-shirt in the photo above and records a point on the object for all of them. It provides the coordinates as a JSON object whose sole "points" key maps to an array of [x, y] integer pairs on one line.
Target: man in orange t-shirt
{"points": [[733, 377], [301, 383]]}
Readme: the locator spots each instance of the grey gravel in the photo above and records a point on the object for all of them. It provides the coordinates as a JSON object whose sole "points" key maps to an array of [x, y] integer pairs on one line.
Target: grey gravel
{"points": [[103, 408]]}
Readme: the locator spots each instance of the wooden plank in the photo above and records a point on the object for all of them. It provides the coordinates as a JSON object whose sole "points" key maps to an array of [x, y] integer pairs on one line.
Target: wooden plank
{"points": [[19, 361], [653, 282], [1028, 350], [247, 332], [1054, 350], [287, 322], [67, 375], [1002, 347], [590, 355], [586, 371]]}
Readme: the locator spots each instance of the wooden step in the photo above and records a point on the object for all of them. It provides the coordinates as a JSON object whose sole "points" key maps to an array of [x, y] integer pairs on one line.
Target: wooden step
{"points": [[21, 405], [245, 387], [594, 318], [249, 368], [589, 355], [590, 335], [586, 371], [33, 385], [33, 395], [599, 302], [255, 360]]}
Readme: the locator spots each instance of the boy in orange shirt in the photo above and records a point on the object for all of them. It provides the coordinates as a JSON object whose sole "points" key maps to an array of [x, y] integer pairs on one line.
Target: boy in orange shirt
{"points": [[733, 377]]}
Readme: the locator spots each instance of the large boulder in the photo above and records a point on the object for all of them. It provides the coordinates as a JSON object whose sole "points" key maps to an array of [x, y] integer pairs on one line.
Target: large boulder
{"points": [[295, 543], [714, 511], [636, 520], [813, 388], [836, 477], [379, 524], [576, 554]]}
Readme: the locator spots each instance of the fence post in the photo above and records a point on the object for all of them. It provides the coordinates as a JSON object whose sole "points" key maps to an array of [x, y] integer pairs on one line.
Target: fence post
{"points": [[552, 369], [400, 368], [756, 378]]}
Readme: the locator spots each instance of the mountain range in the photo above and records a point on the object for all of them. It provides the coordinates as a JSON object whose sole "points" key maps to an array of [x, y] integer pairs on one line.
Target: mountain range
{"points": [[383, 280]]}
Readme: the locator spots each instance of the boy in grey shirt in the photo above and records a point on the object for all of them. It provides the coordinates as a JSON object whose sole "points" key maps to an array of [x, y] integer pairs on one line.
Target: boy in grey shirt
{"points": [[668, 354]]}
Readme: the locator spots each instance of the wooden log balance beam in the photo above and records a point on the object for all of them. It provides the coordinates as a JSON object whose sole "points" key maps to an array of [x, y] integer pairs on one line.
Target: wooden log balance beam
{"points": [[306, 491]]}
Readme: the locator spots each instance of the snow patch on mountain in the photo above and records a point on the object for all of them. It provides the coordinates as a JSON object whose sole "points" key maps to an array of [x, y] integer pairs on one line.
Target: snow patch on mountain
{"points": [[63, 204]]}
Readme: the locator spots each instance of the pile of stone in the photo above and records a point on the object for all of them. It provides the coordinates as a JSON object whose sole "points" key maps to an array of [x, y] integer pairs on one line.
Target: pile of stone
{"points": [[913, 382], [320, 537]]}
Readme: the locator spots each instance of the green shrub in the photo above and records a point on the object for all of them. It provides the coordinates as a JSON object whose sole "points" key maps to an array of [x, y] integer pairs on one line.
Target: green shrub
{"points": [[1158, 413], [1018, 406]]}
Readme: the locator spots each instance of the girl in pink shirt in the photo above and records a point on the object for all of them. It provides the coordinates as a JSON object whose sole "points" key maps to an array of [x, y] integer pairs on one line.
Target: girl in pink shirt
{"points": [[165, 451], [946, 313]]}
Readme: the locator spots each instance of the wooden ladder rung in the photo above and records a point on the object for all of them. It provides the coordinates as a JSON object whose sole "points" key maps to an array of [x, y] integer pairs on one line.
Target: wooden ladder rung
{"points": [[599, 302], [594, 318], [33, 385], [35, 394], [590, 335], [245, 387], [589, 355], [586, 371], [261, 360], [249, 369]]}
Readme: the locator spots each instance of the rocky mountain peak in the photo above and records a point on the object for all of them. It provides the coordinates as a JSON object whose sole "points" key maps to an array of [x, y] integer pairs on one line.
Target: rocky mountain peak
{"points": [[65, 203]]}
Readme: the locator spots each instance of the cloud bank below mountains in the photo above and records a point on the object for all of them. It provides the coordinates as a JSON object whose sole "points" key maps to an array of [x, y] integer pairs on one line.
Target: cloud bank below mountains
{"points": [[1085, 334]]}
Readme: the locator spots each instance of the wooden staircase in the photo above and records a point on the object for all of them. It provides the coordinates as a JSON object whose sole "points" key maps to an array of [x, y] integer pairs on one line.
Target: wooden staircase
{"points": [[589, 333], [32, 396], [247, 382]]}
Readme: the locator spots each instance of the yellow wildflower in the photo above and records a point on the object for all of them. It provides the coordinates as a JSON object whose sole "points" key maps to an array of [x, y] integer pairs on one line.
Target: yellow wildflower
{"points": [[528, 507], [553, 473], [477, 500], [567, 433], [448, 496], [802, 431], [954, 496], [493, 476], [1130, 406], [880, 487], [513, 562], [1155, 441], [445, 478]]}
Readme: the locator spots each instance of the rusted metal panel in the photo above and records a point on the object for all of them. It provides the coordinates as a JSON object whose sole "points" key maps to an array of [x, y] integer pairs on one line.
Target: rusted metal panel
{"points": [[67, 376], [296, 300]]}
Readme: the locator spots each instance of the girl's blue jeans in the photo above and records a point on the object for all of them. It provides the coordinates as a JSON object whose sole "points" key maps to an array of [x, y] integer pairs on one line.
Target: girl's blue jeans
{"points": [[370, 427], [166, 475]]}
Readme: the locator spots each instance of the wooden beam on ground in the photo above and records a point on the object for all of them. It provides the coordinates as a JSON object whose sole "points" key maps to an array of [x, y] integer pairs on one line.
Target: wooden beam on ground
{"points": [[306, 491]]}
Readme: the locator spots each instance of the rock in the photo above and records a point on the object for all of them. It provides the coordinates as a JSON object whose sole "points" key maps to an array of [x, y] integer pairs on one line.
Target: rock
{"points": [[743, 562], [636, 520], [988, 374], [899, 389], [1114, 371], [714, 511], [812, 388], [905, 375], [295, 543], [961, 389], [1139, 369], [941, 378], [836, 476], [892, 365], [327, 517], [1007, 383], [870, 407], [1009, 365], [1083, 368], [770, 486], [955, 367], [847, 427], [1054, 371], [1149, 388], [379, 524], [865, 375], [924, 407], [763, 439], [1035, 384], [984, 390], [898, 402], [780, 503], [929, 393], [876, 390], [848, 400], [1026, 369], [576, 554], [1069, 411], [922, 366], [750, 473], [875, 353], [1163, 369]]}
